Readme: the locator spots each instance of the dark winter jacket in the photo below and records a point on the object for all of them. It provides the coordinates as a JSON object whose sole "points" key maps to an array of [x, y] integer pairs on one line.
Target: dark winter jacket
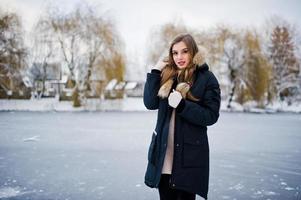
{"points": [[190, 170]]}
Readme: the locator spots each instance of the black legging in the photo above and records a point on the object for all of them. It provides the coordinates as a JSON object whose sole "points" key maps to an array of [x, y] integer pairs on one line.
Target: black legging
{"points": [[167, 193]]}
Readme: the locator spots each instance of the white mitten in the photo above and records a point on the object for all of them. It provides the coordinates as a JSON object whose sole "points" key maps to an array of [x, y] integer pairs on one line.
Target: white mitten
{"points": [[174, 98], [162, 62]]}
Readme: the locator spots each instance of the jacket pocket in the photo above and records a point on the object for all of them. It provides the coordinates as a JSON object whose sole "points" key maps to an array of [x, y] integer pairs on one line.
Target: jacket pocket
{"points": [[152, 149], [195, 153]]}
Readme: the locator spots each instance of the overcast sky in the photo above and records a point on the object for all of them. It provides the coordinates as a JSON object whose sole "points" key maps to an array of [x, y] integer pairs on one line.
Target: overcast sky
{"points": [[135, 18]]}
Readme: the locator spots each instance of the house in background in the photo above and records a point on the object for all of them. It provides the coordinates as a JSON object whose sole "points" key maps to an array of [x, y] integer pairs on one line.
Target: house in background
{"points": [[47, 80], [134, 89], [117, 90], [109, 91]]}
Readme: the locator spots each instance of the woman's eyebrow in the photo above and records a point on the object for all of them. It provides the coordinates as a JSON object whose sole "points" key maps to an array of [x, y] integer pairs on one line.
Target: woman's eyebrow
{"points": [[180, 50]]}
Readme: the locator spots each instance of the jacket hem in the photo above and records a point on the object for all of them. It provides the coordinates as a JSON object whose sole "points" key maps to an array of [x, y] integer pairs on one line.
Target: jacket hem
{"points": [[149, 184], [203, 195]]}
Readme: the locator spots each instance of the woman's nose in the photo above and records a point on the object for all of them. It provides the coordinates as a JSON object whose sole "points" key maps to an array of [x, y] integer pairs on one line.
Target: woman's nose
{"points": [[180, 56]]}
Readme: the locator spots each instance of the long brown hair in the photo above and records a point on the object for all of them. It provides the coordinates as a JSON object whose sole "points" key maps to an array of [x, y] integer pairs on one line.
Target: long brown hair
{"points": [[171, 70]]}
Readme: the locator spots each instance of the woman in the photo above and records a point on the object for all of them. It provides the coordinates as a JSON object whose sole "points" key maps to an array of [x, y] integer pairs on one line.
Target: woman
{"points": [[187, 96]]}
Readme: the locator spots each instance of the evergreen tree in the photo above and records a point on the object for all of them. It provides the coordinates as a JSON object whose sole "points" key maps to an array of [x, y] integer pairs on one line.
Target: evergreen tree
{"points": [[285, 65]]}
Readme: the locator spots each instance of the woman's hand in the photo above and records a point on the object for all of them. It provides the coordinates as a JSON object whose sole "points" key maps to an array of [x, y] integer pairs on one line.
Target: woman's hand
{"points": [[162, 62], [174, 98]]}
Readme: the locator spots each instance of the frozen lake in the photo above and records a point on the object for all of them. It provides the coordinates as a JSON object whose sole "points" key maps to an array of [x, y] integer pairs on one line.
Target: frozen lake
{"points": [[102, 155]]}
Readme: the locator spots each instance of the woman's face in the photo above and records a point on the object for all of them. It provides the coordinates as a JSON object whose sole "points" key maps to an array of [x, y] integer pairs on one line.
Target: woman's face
{"points": [[181, 55]]}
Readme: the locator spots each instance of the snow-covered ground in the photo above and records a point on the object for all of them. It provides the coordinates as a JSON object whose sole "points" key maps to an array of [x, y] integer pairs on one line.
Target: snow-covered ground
{"points": [[127, 104], [102, 155], [52, 104]]}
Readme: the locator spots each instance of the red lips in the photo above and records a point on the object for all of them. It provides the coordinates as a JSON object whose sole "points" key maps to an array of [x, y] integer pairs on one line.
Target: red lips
{"points": [[181, 63]]}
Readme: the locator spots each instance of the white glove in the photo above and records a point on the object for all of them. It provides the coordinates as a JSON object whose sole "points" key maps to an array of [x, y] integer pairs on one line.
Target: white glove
{"points": [[162, 62], [174, 98]]}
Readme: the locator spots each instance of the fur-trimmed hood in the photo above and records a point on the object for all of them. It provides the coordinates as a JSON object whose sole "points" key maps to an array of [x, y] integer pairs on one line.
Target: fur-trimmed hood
{"points": [[199, 60]]}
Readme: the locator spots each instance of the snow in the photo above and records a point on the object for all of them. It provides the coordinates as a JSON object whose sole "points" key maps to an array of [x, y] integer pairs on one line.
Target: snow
{"points": [[51, 104], [8, 192], [236, 187], [130, 104], [103, 155], [284, 107], [120, 85], [235, 107], [130, 85], [289, 188], [111, 84]]}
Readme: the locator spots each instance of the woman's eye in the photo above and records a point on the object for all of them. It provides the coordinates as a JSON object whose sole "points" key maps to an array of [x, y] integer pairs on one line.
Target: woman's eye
{"points": [[174, 53]]}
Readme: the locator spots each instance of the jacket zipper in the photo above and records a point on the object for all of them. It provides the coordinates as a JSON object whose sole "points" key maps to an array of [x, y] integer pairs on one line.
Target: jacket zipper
{"points": [[171, 182]]}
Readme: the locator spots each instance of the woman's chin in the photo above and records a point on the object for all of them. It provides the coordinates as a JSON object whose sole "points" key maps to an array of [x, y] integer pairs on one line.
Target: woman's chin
{"points": [[181, 67]]}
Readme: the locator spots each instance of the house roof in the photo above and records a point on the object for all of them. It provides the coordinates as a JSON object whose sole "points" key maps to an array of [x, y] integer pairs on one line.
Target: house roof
{"points": [[111, 84], [130, 85]]}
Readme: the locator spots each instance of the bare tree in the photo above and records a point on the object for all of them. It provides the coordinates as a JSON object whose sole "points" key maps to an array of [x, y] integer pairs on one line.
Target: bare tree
{"points": [[84, 40], [12, 53], [42, 53], [256, 70], [234, 57], [66, 28], [100, 43]]}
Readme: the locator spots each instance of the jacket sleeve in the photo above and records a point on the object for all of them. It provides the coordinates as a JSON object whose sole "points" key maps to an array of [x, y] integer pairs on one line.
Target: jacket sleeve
{"points": [[151, 88], [207, 113]]}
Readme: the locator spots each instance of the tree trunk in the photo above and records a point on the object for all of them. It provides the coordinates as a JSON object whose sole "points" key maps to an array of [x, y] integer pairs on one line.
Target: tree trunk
{"points": [[231, 94]]}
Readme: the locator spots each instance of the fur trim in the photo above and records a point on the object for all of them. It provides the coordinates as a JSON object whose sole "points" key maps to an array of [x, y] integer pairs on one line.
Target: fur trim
{"points": [[199, 59], [183, 88], [165, 89]]}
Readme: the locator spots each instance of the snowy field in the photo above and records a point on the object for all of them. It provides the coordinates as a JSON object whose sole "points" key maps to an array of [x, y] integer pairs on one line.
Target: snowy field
{"points": [[129, 104], [102, 155]]}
